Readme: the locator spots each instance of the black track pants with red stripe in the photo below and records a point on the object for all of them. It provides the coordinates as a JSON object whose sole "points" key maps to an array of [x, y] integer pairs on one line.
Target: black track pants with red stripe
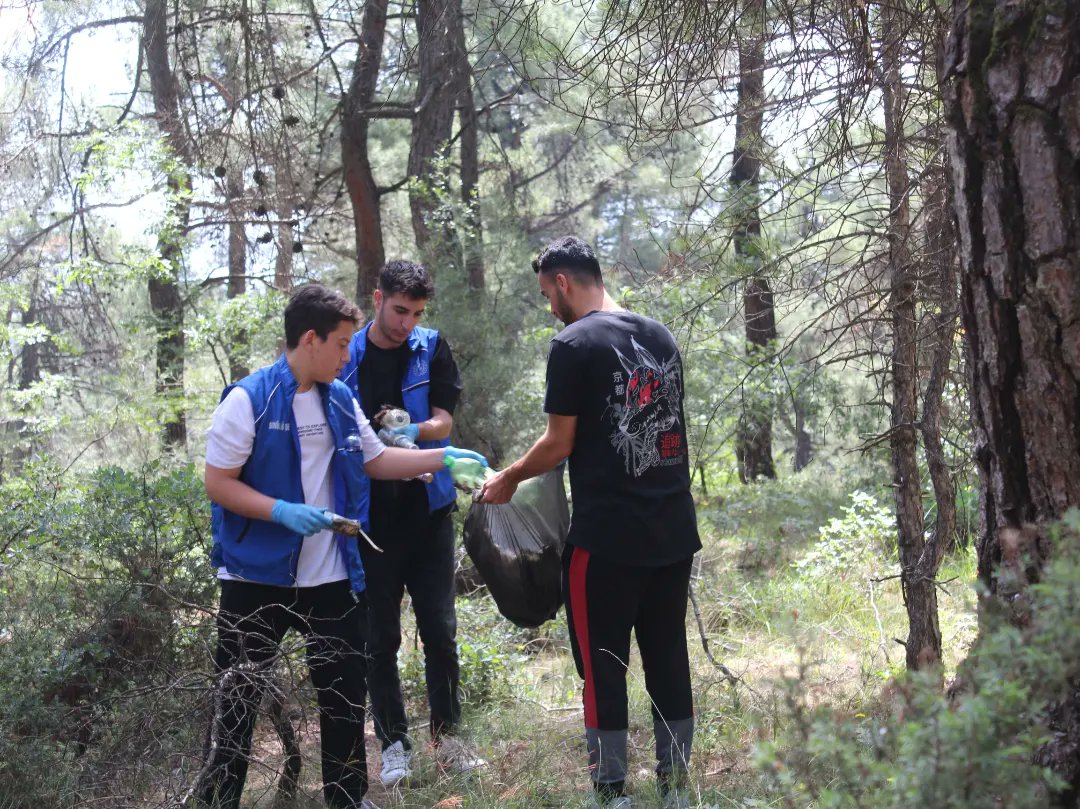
{"points": [[605, 600]]}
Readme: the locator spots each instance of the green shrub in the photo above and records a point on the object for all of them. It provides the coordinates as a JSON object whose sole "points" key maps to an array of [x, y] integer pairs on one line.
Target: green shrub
{"points": [[864, 536], [103, 657], [976, 749]]}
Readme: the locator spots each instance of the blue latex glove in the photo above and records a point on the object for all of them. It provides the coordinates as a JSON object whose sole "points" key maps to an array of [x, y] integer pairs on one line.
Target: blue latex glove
{"points": [[456, 453], [300, 517], [410, 431]]}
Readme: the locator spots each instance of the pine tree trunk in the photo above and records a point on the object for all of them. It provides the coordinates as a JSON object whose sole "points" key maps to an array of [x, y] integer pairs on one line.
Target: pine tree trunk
{"points": [[804, 445], [237, 286], [472, 233], [755, 428], [359, 177], [164, 289], [920, 596], [941, 333], [436, 95], [30, 354], [1013, 107]]}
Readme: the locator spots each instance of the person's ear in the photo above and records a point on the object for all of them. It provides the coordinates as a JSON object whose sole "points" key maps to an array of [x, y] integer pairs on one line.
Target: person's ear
{"points": [[308, 337], [562, 281], [378, 298]]}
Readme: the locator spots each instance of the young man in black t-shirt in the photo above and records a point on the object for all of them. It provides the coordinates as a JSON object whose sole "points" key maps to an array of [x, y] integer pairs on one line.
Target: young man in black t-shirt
{"points": [[395, 361], [614, 405]]}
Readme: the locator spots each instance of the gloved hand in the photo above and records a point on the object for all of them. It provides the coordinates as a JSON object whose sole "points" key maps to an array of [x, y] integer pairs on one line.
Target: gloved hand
{"points": [[410, 431], [467, 468], [300, 517], [455, 453]]}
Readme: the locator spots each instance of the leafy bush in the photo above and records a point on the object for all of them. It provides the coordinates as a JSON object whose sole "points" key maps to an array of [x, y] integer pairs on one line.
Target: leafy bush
{"points": [[864, 535], [103, 651], [977, 749]]}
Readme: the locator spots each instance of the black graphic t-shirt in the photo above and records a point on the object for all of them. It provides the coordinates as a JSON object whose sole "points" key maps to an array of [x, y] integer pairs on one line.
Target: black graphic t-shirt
{"points": [[621, 375]]}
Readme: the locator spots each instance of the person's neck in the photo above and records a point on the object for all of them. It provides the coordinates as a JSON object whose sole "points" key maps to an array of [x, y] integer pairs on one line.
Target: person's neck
{"points": [[380, 340], [303, 382], [598, 302], [609, 304]]}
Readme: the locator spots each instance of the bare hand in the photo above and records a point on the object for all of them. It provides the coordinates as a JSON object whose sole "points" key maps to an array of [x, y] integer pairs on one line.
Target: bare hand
{"points": [[497, 489]]}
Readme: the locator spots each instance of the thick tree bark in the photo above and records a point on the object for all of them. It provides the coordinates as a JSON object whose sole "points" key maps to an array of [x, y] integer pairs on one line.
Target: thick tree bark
{"points": [[920, 596], [754, 449], [1013, 108], [359, 177], [164, 290]]}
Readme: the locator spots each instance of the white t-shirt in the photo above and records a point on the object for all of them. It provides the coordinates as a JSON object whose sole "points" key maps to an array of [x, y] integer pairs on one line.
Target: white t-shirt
{"points": [[228, 446]]}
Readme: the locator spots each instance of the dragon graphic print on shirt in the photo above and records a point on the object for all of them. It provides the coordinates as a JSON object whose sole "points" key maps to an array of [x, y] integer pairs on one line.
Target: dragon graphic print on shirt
{"points": [[645, 410]]}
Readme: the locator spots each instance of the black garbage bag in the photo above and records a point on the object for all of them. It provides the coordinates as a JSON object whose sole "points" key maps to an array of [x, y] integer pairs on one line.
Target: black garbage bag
{"points": [[517, 548]]}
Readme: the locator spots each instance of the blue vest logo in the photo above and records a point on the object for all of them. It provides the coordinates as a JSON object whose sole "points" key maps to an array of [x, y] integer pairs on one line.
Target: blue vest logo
{"points": [[279, 425]]}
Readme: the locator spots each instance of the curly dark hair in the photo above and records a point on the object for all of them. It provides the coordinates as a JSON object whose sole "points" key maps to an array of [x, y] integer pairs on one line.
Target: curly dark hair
{"points": [[570, 256]]}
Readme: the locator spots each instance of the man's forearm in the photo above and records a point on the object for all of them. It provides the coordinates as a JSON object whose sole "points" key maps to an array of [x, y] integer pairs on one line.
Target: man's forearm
{"points": [[435, 428], [545, 454]]}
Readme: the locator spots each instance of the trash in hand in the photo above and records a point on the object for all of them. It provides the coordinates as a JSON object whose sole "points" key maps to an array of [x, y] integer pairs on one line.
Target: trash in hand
{"points": [[517, 548], [396, 440], [389, 419], [468, 473], [343, 525]]}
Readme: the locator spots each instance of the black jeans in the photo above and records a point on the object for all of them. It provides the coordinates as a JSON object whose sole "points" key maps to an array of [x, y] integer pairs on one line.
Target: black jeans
{"points": [[252, 620], [418, 555]]}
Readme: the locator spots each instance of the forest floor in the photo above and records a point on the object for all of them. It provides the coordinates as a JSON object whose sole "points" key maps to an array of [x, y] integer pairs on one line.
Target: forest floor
{"points": [[798, 599]]}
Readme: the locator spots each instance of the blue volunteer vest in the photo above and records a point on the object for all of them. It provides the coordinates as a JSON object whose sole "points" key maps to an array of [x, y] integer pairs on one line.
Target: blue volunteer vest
{"points": [[263, 551], [415, 387]]}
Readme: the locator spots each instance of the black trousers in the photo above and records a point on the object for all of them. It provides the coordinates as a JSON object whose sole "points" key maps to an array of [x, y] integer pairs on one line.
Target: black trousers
{"points": [[418, 556], [605, 601], [252, 620]]}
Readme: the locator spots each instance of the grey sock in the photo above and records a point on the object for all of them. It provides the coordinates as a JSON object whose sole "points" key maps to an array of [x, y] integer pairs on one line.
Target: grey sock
{"points": [[674, 738], [607, 755]]}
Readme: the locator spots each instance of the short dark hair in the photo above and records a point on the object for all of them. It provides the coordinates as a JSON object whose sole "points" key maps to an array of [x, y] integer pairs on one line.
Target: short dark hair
{"points": [[313, 306], [571, 256], [406, 277]]}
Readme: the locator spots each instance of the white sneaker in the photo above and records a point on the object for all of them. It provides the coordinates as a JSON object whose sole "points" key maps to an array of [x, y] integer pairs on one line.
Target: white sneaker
{"points": [[395, 764], [452, 754], [621, 802]]}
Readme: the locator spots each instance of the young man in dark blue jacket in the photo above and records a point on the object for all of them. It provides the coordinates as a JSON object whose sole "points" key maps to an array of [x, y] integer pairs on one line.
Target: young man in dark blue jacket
{"points": [[288, 446], [394, 361]]}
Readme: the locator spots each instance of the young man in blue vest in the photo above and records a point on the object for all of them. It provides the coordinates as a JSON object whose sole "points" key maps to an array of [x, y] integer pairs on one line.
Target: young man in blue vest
{"points": [[394, 361], [287, 446]]}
